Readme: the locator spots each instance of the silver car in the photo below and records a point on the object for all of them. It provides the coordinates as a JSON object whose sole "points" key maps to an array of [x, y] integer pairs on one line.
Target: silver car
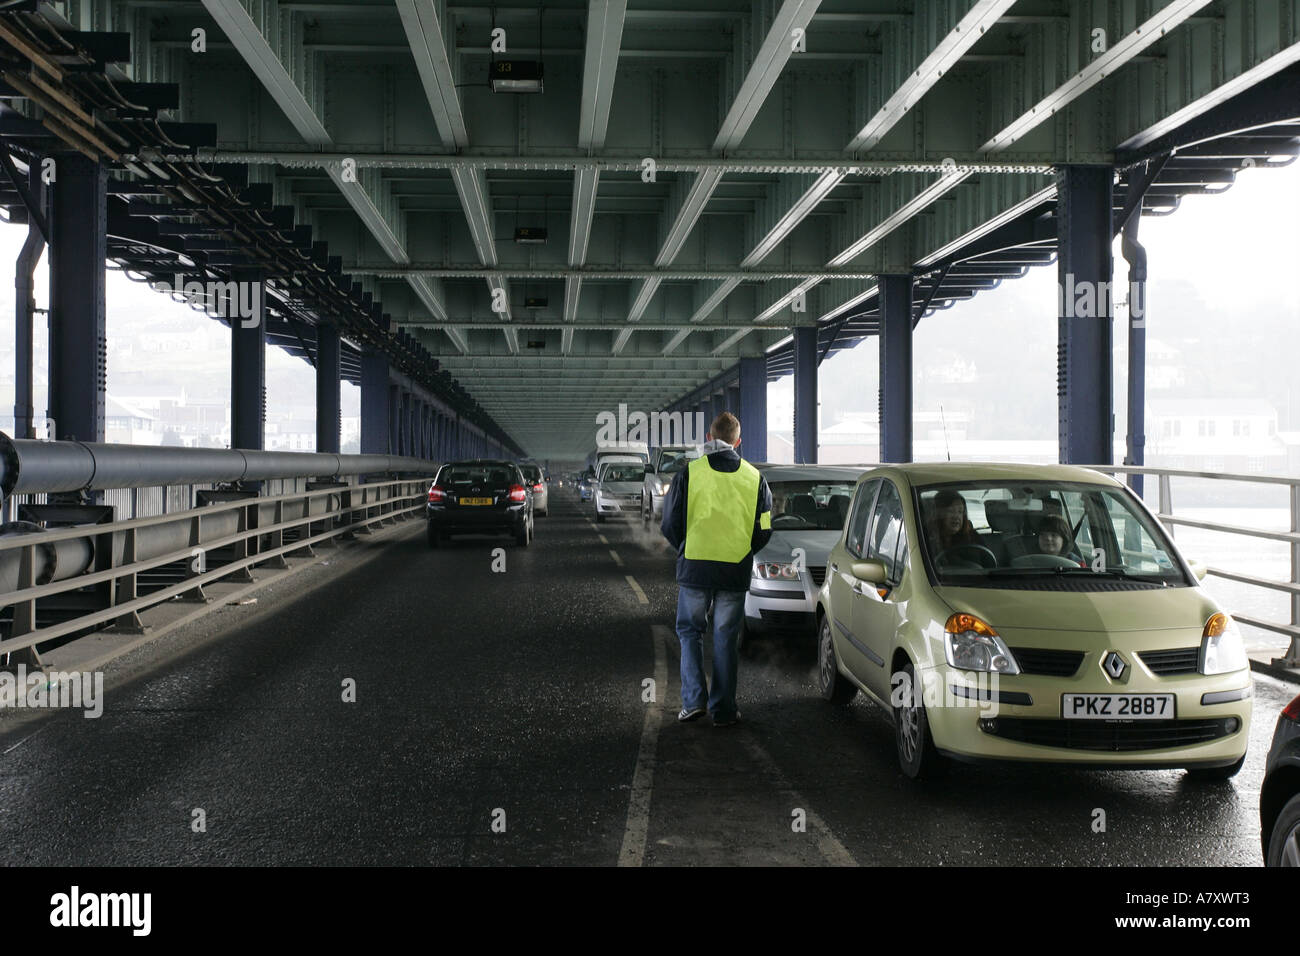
{"points": [[617, 489], [665, 462], [537, 482], [809, 507]]}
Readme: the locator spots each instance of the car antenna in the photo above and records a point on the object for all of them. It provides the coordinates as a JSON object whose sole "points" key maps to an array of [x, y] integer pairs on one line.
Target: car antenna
{"points": [[946, 449]]}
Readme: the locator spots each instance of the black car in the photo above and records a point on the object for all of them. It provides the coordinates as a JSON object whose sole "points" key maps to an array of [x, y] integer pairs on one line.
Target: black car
{"points": [[1279, 798], [480, 496]]}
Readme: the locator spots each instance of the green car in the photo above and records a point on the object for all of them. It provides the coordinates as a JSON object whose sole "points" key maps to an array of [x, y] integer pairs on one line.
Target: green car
{"points": [[1033, 613]]}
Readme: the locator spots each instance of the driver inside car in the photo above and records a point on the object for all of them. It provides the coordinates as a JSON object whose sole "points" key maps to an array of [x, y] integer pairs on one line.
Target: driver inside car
{"points": [[950, 526]]}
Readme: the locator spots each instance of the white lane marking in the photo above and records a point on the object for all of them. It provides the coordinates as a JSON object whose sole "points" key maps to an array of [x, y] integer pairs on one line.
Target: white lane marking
{"points": [[24, 740], [632, 852], [640, 595], [832, 850], [617, 560], [603, 539]]}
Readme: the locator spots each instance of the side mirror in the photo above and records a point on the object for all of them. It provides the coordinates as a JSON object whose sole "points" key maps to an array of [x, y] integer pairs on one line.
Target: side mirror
{"points": [[1199, 568], [649, 469], [872, 572]]}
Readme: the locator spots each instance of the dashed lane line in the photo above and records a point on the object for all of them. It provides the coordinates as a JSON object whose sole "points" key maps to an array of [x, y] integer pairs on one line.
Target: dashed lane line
{"points": [[635, 834], [640, 595], [617, 560]]}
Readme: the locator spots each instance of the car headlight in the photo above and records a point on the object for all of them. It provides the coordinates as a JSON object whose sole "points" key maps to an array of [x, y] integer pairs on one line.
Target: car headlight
{"points": [[971, 645], [1222, 649], [773, 571]]}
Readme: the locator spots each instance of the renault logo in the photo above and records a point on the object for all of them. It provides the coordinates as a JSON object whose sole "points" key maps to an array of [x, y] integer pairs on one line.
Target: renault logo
{"points": [[1114, 665]]}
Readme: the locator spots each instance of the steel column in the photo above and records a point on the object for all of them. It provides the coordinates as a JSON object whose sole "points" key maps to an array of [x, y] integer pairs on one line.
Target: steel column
{"points": [[895, 367], [328, 372], [25, 311], [1136, 438], [753, 407], [1085, 408], [248, 369], [78, 253], [805, 395], [374, 404]]}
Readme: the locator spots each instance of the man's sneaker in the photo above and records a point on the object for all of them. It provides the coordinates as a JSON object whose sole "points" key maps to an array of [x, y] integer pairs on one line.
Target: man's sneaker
{"points": [[693, 713], [726, 721]]}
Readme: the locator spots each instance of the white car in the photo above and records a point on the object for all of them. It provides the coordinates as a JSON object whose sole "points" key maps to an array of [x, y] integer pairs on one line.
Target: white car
{"points": [[617, 489]]}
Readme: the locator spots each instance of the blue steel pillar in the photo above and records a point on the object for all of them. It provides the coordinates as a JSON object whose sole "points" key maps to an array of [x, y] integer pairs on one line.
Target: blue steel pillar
{"points": [[805, 395], [753, 407], [1085, 414], [328, 373], [78, 252], [394, 419], [895, 367], [374, 404], [248, 371]]}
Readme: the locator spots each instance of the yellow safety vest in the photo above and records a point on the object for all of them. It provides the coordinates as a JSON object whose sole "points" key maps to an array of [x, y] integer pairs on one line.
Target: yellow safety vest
{"points": [[720, 512]]}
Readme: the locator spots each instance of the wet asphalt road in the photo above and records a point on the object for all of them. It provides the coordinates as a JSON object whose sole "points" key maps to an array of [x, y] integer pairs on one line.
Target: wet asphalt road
{"points": [[515, 699]]}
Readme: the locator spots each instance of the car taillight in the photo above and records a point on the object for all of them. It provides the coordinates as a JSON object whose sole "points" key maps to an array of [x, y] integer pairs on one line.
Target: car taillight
{"points": [[537, 487], [518, 493], [1292, 710], [437, 495]]}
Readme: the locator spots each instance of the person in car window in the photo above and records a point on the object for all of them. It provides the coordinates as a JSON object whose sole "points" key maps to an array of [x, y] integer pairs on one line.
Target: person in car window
{"points": [[1054, 538], [950, 527]]}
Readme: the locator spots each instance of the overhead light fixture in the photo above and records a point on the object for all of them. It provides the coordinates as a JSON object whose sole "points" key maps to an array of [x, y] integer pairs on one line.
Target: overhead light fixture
{"points": [[530, 235], [516, 76], [535, 302]]}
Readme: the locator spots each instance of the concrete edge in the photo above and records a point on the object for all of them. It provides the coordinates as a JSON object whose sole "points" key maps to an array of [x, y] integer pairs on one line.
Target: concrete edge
{"points": [[88, 654], [1289, 674]]}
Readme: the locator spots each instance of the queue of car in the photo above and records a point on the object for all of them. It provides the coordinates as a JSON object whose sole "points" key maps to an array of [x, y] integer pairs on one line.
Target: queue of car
{"points": [[1008, 612]]}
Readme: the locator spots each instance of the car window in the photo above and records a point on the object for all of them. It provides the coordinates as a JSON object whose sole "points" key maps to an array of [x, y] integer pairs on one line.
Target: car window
{"points": [[810, 505], [855, 539], [887, 535]]}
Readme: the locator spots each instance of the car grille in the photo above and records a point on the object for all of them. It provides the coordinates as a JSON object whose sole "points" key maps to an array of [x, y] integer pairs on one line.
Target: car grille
{"points": [[785, 618], [1111, 737], [1180, 660], [818, 575], [1046, 662]]}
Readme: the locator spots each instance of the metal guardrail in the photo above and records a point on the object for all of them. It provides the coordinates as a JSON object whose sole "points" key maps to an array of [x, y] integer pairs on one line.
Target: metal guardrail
{"points": [[251, 531], [1165, 512]]}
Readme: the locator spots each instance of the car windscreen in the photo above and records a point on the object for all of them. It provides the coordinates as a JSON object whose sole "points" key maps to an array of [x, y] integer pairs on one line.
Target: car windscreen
{"points": [[493, 476], [810, 505], [628, 472], [531, 472], [674, 461], [1041, 534]]}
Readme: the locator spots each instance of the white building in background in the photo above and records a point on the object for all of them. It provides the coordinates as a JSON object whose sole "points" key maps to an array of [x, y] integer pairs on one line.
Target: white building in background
{"points": [[127, 424], [1215, 434]]}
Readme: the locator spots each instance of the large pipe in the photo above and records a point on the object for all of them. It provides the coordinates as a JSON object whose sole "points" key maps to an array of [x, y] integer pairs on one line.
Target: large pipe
{"points": [[34, 467]]}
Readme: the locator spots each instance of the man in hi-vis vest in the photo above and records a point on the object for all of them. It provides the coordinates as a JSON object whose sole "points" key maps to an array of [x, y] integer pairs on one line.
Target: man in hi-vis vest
{"points": [[717, 515]]}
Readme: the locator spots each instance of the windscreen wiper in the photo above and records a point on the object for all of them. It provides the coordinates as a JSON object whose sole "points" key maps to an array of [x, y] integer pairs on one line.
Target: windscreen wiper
{"points": [[1119, 573]]}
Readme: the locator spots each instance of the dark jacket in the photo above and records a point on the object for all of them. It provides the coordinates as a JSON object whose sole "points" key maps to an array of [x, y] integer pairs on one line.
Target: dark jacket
{"points": [[721, 575]]}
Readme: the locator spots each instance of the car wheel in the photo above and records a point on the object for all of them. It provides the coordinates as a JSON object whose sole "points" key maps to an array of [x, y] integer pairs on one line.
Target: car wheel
{"points": [[834, 686], [431, 534], [1211, 774], [1284, 846], [600, 518], [916, 752]]}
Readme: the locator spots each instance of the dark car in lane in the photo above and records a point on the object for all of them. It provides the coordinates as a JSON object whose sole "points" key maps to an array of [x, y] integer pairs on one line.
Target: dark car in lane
{"points": [[479, 496], [1279, 797]]}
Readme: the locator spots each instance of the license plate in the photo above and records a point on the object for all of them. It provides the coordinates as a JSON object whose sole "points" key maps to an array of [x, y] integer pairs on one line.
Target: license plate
{"points": [[476, 501], [1117, 706]]}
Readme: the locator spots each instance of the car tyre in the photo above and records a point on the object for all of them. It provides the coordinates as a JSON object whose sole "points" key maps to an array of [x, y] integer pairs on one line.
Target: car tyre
{"points": [[917, 756], [1215, 774], [834, 686], [600, 518], [1284, 845], [524, 535]]}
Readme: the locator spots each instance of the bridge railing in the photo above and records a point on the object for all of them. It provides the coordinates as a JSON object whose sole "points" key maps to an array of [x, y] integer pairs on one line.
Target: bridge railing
{"points": [[69, 566], [1291, 538]]}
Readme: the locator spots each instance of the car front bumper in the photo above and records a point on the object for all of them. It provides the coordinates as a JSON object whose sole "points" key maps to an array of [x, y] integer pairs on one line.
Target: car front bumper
{"points": [[787, 605], [1020, 718]]}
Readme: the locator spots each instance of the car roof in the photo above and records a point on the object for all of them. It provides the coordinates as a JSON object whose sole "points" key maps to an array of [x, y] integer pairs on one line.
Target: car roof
{"points": [[777, 472], [937, 472]]}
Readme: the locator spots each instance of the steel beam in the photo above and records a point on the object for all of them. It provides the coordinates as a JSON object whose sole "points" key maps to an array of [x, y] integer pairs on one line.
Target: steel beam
{"points": [[375, 413], [753, 407], [896, 368], [78, 254], [1085, 418], [248, 372], [328, 355], [25, 310]]}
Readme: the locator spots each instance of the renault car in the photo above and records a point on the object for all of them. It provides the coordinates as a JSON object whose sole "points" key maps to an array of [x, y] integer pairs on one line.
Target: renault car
{"points": [[1029, 613]]}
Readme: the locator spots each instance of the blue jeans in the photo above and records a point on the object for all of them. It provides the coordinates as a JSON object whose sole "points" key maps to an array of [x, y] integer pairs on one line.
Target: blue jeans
{"points": [[692, 610]]}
